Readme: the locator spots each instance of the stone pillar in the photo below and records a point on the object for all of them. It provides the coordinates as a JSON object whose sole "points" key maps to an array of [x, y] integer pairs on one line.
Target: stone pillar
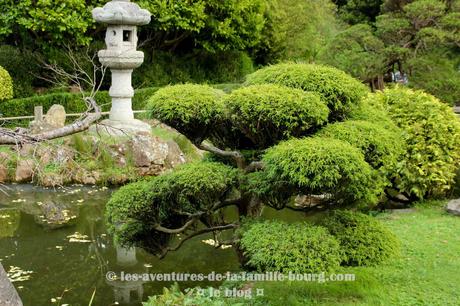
{"points": [[121, 93]]}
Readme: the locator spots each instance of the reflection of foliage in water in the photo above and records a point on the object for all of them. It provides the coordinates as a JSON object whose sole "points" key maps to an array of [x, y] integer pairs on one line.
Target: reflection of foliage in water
{"points": [[9, 222]]}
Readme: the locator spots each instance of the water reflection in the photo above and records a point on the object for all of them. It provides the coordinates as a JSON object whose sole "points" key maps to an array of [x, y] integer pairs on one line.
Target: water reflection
{"points": [[127, 292], [70, 256]]}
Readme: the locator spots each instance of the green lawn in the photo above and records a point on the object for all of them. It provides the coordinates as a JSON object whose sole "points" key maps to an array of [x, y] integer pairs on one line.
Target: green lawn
{"points": [[426, 273]]}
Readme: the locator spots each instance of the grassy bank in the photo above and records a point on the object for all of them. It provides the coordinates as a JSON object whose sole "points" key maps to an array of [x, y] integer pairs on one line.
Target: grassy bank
{"points": [[426, 273]]}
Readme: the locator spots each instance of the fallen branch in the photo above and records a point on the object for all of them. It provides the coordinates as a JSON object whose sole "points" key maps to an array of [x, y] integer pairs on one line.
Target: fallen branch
{"points": [[91, 116]]}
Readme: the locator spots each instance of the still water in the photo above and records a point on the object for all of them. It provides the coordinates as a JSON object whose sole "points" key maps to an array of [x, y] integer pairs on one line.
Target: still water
{"points": [[55, 245]]}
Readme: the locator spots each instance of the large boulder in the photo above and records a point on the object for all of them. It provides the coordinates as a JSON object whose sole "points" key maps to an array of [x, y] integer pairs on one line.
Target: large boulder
{"points": [[453, 207], [154, 155], [3, 174]]}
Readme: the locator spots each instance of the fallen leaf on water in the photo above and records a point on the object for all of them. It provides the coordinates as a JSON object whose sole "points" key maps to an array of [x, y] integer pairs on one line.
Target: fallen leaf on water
{"points": [[77, 237]]}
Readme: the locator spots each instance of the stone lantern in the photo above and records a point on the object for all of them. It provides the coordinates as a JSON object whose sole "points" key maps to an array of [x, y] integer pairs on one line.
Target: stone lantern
{"points": [[121, 56]]}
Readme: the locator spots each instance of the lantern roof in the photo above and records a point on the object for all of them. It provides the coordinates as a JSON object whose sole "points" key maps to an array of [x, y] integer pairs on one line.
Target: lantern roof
{"points": [[121, 12]]}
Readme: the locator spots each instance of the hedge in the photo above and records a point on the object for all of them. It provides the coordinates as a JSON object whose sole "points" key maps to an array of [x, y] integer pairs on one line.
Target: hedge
{"points": [[73, 103]]}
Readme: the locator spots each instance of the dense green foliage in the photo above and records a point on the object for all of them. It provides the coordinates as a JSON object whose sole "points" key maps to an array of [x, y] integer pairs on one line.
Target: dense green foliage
{"points": [[191, 109], [134, 210], [358, 11], [296, 247], [364, 240], [52, 21], [162, 68], [339, 90], [191, 296], [214, 25], [266, 114], [432, 134], [316, 166], [375, 113], [418, 39], [381, 146], [6, 85], [23, 68], [437, 72], [296, 30]]}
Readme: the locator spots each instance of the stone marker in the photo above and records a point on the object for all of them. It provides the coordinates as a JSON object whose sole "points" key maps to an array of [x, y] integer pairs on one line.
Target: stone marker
{"points": [[54, 119], [55, 116], [8, 294], [453, 207], [121, 57]]}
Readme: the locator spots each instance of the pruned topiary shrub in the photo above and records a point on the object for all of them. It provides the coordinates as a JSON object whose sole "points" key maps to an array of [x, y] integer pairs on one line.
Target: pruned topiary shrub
{"points": [[431, 132], [283, 247], [381, 146], [189, 108], [338, 89], [134, 210], [364, 240], [6, 85], [316, 165], [268, 113], [375, 113]]}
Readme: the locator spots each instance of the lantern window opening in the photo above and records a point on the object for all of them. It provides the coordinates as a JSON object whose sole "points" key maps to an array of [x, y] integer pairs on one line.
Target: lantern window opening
{"points": [[127, 36]]}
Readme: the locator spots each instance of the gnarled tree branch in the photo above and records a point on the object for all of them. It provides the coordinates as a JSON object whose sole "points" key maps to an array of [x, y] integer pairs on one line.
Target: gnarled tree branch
{"points": [[235, 155], [197, 233]]}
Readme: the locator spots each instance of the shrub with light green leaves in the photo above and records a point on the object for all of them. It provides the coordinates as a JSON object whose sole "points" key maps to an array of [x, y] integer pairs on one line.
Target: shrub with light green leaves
{"points": [[189, 108], [316, 165], [338, 89], [431, 131], [266, 114], [364, 240], [283, 247], [6, 85]]}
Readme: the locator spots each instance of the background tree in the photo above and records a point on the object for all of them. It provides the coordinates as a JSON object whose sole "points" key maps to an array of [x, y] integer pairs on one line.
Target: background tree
{"points": [[359, 11], [359, 52]]}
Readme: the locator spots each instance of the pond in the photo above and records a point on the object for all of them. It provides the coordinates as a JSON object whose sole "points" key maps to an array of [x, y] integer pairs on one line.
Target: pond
{"points": [[54, 244]]}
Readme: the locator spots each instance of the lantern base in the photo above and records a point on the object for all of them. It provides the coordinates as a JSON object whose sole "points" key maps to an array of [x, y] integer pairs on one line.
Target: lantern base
{"points": [[121, 128]]}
